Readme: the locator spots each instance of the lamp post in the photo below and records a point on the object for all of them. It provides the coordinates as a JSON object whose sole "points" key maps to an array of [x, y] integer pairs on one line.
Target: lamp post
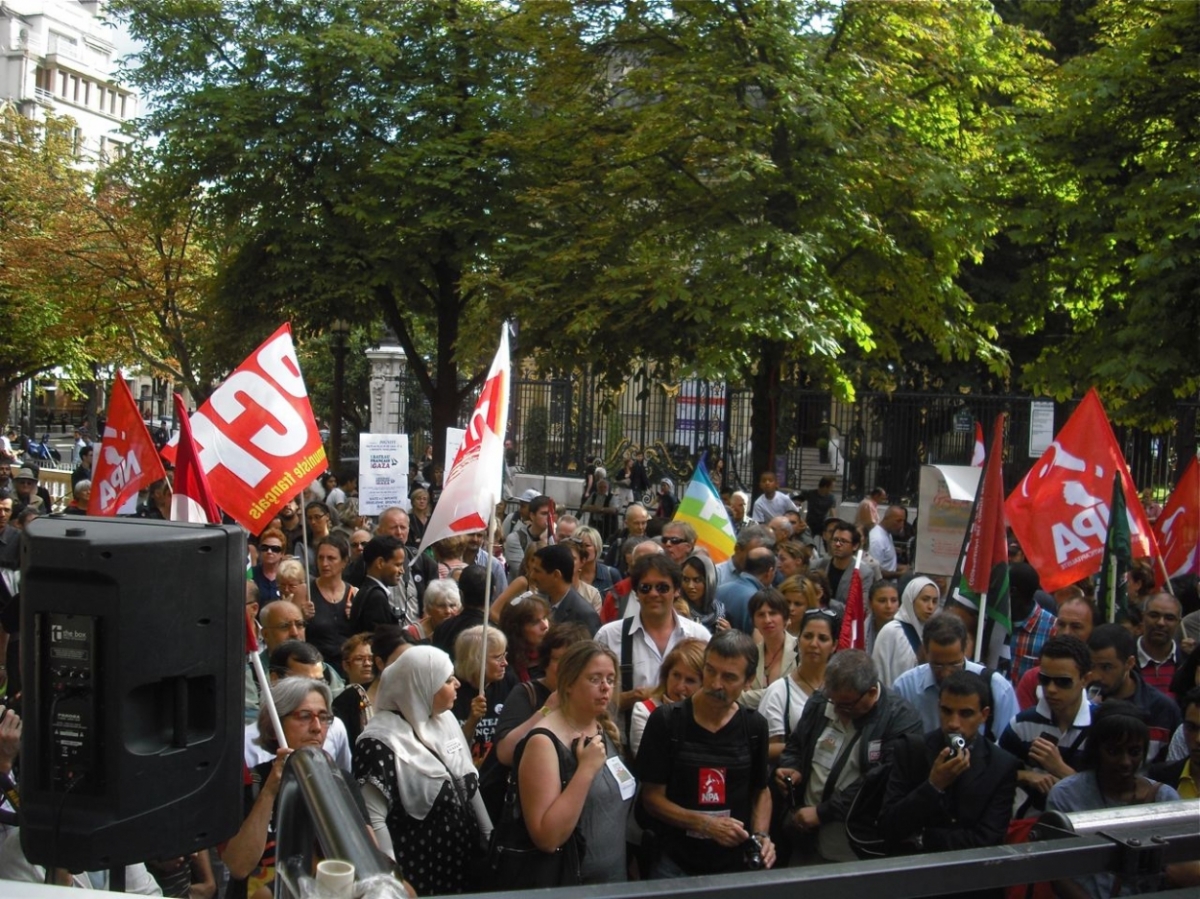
{"points": [[340, 330]]}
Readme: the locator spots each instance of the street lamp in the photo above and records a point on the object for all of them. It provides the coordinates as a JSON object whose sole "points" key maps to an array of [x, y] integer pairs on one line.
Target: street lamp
{"points": [[340, 330]]}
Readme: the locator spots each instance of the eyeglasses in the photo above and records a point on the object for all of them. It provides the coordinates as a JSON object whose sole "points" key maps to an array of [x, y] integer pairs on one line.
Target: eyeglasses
{"points": [[948, 666], [359, 660], [673, 541], [360, 544], [267, 548], [849, 706], [660, 588], [1063, 683], [304, 716], [597, 679], [840, 541]]}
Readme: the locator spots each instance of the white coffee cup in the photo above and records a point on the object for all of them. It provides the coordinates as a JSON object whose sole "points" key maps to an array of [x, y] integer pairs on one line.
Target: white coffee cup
{"points": [[337, 877]]}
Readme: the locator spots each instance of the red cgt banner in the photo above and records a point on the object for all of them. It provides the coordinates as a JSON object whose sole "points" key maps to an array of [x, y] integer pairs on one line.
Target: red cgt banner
{"points": [[1178, 527], [257, 439], [1060, 510]]}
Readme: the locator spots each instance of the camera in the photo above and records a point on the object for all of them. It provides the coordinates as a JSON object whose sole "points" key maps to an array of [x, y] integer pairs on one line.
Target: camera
{"points": [[957, 744], [753, 856]]}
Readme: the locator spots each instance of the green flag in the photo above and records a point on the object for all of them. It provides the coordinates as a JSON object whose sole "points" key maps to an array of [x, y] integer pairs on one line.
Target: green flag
{"points": [[1118, 556]]}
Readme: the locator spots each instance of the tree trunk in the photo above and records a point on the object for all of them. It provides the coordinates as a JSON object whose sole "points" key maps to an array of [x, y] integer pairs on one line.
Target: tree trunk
{"points": [[764, 402]]}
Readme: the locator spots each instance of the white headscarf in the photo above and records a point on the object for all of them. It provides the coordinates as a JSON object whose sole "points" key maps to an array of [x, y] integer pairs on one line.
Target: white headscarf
{"points": [[429, 749], [907, 611]]}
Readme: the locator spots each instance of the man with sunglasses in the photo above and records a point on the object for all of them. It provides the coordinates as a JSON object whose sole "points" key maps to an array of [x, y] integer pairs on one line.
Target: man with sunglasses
{"points": [[1049, 738], [642, 641], [945, 643], [847, 728], [678, 539]]}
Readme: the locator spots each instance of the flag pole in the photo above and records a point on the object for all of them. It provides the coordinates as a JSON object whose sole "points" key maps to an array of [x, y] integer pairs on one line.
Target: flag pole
{"points": [[979, 626], [264, 685], [854, 626], [1162, 564], [487, 598]]}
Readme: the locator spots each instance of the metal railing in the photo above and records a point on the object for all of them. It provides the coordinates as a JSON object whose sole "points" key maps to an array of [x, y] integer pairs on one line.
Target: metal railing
{"points": [[316, 809], [1169, 832]]}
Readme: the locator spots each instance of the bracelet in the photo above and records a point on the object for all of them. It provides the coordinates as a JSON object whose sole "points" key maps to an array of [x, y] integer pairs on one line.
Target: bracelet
{"points": [[762, 833]]}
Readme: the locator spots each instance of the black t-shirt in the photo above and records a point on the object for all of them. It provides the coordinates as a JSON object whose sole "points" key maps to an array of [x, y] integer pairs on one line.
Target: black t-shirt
{"points": [[485, 731], [719, 774], [818, 508]]}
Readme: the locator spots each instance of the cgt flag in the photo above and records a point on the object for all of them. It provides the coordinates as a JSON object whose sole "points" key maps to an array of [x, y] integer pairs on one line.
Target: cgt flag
{"points": [[256, 438], [1060, 510], [127, 461], [473, 485], [1178, 527], [191, 499], [701, 507]]}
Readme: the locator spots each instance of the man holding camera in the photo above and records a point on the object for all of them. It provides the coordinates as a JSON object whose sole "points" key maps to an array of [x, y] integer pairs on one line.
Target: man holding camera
{"points": [[952, 788], [703, 767]]}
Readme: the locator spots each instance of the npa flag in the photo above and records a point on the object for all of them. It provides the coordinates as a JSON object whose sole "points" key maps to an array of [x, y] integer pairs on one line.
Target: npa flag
{"points": [[1118, 556], [1060, 510], [127, 461], [473, 485], [854, 622], [701, 507], [1177, 528], [191, 498], [982, 576], [256, 438], [977, 457]]}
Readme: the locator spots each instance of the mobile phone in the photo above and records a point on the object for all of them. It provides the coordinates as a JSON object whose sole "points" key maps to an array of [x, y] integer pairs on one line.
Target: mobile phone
{"points": [[1049, 737]]}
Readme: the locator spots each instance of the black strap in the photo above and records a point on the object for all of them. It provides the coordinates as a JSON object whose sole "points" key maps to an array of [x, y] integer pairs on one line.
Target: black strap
{"points": [[836, 771]]}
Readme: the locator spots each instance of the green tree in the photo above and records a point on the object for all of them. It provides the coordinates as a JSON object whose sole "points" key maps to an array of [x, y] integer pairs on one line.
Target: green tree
{"points": [[346, 145], [1111, 202], [754, 184]]}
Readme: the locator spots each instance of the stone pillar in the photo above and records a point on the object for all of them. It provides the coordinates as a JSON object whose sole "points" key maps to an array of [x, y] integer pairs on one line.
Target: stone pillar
{"points": [[389, 365]]}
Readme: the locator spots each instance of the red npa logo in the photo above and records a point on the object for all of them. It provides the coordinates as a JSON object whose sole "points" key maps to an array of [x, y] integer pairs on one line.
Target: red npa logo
{"points": [[711, 786]]}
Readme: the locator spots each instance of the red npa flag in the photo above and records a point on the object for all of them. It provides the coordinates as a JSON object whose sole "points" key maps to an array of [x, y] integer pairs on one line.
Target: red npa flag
{"points": [[854, 622], [1178, 527], [1059, 511], [126, 461], [256, 437]]}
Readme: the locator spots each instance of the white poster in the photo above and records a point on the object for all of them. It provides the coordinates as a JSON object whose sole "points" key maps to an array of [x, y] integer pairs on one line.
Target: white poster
{"points": [[947, 494], [1041, 427], [454, 439], [382, 472]]}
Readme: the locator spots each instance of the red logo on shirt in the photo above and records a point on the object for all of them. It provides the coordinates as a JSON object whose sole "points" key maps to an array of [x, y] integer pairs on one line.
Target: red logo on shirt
{"points": [[711, 788]]}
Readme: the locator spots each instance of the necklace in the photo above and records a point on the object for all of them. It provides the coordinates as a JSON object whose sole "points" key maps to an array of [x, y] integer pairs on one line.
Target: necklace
{"points": [[804, 680], [571, 725]]}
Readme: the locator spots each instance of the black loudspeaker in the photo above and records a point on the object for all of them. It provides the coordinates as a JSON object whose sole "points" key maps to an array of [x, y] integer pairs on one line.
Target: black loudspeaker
{"points": [[132, 644]]}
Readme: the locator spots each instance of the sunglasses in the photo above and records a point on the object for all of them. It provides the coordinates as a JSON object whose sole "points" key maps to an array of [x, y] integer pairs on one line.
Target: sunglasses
{"points": [[820, 613], [359, 544], [1063, 683], [270, 549], [673, 541], [660, 588]]}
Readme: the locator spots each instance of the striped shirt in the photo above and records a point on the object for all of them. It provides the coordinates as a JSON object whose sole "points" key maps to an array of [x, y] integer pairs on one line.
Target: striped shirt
{"points": [[1158, 673], [1028, 638], [1030, 724]]}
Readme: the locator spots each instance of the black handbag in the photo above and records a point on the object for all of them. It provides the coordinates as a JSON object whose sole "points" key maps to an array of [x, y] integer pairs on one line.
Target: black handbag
{"points": [[515, 862]]}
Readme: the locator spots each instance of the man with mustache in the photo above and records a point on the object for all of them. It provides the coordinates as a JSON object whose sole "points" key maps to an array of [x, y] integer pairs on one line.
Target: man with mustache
{"points": [[703, 767]]}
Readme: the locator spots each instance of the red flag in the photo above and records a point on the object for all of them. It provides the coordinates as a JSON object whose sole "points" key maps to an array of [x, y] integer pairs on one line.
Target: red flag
{"points": [[1059, 511], [474, 481], [988, 544], [854, 622], [127, 461], [192, 499], [256, 437], [978, 456], [1178, 527]]}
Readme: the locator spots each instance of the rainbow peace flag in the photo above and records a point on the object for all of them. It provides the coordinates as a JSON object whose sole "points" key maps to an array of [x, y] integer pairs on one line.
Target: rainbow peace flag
{"points": [[701, 507]]}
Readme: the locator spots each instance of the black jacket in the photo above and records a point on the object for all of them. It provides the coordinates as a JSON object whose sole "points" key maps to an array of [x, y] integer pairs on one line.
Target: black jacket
{"points": [[574, 608], [1168, 772], [891, 717], [973, 812], [372, 607]]}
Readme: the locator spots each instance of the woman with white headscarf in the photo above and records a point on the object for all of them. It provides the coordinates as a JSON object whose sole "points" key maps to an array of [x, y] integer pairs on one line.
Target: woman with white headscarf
{"points": [[417, 777], [898, 643]]}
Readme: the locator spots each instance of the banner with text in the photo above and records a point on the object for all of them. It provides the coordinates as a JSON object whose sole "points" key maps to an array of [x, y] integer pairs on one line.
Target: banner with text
{"points": [[382, 472]]}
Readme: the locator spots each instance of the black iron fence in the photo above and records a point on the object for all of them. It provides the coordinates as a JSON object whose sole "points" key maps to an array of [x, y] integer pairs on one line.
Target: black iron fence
{"points": [[557, 424]]}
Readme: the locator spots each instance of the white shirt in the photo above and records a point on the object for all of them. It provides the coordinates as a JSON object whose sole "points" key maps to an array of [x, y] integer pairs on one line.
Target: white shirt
{"points": [[766, 509], [781, 705], [15, 866], [337, 744], [646, 657], [882, 549]]}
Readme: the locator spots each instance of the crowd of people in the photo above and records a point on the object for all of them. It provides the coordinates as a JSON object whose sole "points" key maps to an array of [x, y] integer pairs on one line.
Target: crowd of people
{"points": [[580, 702]]}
